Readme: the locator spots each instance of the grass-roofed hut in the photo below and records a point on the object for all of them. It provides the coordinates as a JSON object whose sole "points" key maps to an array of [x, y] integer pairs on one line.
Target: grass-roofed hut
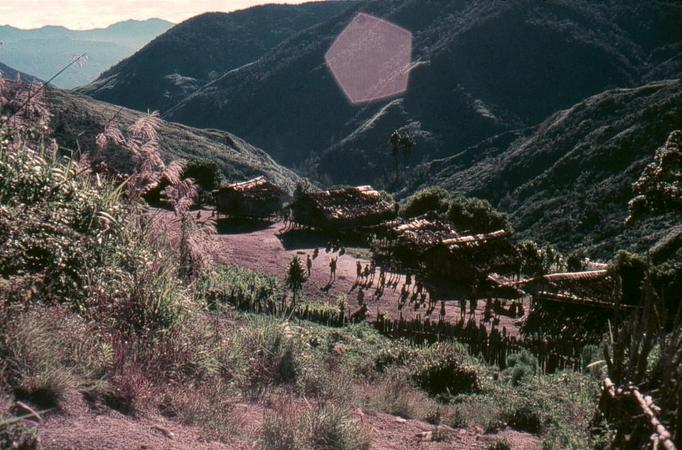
{"points": [[589, 288], [442, 251], [255, 198], [343, 210]]}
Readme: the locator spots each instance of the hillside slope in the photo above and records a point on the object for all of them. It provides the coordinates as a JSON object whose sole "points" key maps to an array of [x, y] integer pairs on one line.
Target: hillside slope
{"points": [[201, 49], [568, 180], [10, 73], [482, 68], [78, 119], [44, 51]]}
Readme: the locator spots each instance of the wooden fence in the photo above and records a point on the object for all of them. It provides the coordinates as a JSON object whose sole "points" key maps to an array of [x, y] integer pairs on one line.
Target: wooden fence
{"points": [[637, 415]]}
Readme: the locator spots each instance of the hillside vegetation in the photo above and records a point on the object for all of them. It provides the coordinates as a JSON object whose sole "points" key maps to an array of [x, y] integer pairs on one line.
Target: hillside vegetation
{"points": [[200, 50], [11, 73], [98, 320], [568, 180], [77, 119], [481, 68]]}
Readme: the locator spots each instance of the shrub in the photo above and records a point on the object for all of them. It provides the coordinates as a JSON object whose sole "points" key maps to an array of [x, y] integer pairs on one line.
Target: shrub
{"points": [[262, 355], [394, 396], [330, 427], [208, 405], [520, 366], [48, 352], [52, 224], [476, 215], [444, 368], [485, 411], [278, 433], [432, 200], [204, 172]]}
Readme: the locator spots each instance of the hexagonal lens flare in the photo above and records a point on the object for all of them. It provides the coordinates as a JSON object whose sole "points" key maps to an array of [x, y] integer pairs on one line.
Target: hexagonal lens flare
{"points": [[370, 59]]}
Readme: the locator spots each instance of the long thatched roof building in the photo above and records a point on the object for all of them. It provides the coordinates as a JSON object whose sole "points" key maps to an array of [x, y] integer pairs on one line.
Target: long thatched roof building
{"points": [[438, 247], [256, 198], [342, 209]]}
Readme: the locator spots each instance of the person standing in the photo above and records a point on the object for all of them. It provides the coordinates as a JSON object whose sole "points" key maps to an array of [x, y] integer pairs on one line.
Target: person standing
{"points": [[309, 264], [332, 269]]}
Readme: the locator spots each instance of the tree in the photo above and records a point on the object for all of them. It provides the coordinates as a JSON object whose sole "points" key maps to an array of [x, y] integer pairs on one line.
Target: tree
{"points": [[659, 189], [401, 141], [431, 200], [394, 140], [476, 215], [296, 278]]}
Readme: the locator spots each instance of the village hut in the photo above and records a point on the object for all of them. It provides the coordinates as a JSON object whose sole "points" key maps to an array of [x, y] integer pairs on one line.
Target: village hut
{"points": [[442, 251], [255, 198], [592, 288], [345, 209]]}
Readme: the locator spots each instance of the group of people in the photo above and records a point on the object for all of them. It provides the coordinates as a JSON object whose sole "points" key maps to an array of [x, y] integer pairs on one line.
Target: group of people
{"points": [[413, 290], [333, 260]]}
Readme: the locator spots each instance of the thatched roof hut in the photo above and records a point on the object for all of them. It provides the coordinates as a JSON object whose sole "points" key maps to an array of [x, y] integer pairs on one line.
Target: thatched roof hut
{"points": [[255, 198], [443, 251], [342, 209], [585, 287]]}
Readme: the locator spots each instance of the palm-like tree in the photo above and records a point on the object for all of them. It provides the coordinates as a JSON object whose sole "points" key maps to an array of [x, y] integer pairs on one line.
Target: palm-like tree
{"points": [[401, 140]]}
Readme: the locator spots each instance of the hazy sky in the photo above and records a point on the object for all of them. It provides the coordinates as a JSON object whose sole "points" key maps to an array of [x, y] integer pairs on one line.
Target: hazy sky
{"points": [[82, 14]]}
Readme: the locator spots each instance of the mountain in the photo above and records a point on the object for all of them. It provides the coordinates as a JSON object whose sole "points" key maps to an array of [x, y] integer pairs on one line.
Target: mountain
{"points": [[44, 51], [568, 180], [200, 50], [78, 119], [10, 73], [481, 68]]}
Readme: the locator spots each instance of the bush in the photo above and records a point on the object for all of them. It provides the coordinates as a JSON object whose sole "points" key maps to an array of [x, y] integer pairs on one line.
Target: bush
{"points": [[208, 405], [263, 355], [444, 368], [394, 396], [432, 200], [52, 224], [48, 352], [277, 433], [330, 427], [520, 366], [476, 215]]}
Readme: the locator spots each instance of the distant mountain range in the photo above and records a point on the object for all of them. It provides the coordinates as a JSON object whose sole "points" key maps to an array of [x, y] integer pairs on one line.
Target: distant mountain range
{"points": [[201, 50], [43, 51]]}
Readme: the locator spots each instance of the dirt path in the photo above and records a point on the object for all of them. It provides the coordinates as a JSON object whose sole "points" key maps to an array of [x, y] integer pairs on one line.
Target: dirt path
{"points": [[266, 248]]}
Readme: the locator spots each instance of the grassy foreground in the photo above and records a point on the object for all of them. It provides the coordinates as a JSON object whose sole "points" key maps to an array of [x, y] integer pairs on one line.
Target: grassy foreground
{"points": [[91, 304]]}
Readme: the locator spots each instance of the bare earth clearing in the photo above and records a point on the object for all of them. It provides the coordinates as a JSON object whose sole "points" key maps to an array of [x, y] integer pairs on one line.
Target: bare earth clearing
{"points": [[266, 248], [260, 247]]}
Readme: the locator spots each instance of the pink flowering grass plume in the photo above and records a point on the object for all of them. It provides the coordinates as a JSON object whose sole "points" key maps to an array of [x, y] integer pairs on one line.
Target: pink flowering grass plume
{"points": [[141, 140]]}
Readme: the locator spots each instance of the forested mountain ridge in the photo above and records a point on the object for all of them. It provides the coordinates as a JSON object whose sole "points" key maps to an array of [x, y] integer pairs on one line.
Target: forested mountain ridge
{"points": [[201, 49], [568, 180], [481, 68]]}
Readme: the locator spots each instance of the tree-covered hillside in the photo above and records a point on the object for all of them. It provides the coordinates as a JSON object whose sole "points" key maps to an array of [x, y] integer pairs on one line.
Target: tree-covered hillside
{"points": [[568, 180]]}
